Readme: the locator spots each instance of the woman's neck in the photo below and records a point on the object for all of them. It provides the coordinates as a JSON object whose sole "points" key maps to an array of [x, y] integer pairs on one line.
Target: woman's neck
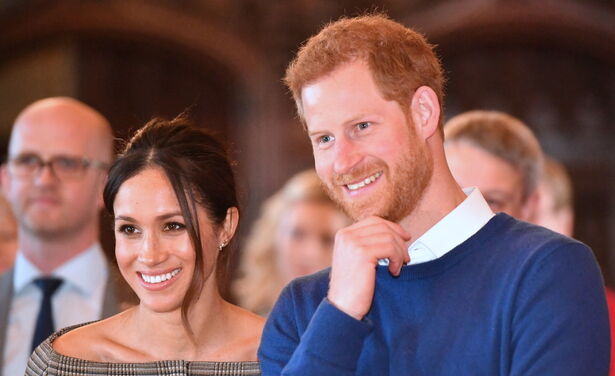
{"points": [[162, 335]]}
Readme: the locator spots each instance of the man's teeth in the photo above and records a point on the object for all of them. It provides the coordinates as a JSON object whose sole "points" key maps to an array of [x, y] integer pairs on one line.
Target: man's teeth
{"points": [[159, 278], [366, 181]]}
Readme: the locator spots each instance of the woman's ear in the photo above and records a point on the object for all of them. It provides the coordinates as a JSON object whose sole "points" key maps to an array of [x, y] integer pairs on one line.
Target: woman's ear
{"points": [[228, 226], [425, 111]]}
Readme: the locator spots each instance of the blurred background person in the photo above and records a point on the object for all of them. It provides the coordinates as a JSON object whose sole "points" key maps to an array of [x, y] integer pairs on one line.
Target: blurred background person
{"points": [[293, 237], [555, 202], [8, 225], [498, 154], [556, 212], [501, 156], [8, 235], [58, 155]]}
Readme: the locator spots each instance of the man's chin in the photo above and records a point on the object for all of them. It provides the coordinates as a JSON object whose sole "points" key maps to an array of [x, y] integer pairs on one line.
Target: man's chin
{"points": [[360, 212], [358, 209], [392, 213], [48, 229]]}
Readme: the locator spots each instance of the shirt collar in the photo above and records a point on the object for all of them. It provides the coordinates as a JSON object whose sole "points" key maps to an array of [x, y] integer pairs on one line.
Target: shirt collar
{"points": [[455, 228], [85, 272], [25, 273]]}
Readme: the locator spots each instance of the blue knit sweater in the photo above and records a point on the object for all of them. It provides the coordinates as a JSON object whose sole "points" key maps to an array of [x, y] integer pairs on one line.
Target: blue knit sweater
{"points": [[514, 299]]}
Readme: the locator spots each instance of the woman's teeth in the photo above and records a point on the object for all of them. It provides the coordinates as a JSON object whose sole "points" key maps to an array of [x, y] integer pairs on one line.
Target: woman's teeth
{"points": [[368, 180], [160, 277]]}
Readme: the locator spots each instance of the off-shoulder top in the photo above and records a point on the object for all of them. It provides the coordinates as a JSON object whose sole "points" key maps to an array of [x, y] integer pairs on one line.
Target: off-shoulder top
{"points": [[45, 361]]}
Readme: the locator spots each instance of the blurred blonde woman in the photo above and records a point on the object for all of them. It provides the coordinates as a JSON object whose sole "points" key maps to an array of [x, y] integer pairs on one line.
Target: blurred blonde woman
{"points": [[293, 237]]}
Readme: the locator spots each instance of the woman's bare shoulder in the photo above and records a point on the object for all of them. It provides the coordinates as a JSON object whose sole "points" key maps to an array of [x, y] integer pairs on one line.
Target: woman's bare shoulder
{"points": [[99, 341]]}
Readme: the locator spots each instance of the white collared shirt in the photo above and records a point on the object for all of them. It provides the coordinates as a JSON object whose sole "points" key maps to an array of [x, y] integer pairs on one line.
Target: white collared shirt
{"points": [[78, 299], [455, 228]]}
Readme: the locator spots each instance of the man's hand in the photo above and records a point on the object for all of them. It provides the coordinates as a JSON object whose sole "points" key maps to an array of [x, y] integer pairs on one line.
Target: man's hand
{"points": [[355, 255]]}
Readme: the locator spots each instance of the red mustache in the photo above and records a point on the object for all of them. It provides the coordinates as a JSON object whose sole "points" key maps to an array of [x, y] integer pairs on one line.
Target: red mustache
{"points": [[357, 174]]}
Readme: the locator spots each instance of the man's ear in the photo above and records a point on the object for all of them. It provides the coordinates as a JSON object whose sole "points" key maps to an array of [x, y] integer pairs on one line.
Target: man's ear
{"points": [[5, 179], [530, 207], [425, 111], [229, 226], [566, 222]]}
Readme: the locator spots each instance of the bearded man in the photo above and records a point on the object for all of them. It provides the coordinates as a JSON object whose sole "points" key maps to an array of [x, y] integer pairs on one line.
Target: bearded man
{"points": [[428, 281]]}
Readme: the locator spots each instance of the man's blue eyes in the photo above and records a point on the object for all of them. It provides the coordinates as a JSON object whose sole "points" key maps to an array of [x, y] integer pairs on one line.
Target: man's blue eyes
{"points": [[360, 126]]}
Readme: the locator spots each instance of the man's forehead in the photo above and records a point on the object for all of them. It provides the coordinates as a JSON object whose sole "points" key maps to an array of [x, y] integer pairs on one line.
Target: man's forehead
{"points": [[48, 139], [337, 99], [311, 94]]}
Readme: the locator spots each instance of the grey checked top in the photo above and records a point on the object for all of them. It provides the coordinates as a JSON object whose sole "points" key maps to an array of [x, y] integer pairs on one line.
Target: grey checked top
{"points": [[44, 361]]}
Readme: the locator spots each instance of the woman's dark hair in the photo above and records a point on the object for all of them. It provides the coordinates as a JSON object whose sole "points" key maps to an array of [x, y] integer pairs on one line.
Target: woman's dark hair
{"points": [[200, 173]]}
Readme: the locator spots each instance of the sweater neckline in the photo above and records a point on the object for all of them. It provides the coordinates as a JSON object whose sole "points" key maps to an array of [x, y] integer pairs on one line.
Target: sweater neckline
{"points": [[450, 259]]}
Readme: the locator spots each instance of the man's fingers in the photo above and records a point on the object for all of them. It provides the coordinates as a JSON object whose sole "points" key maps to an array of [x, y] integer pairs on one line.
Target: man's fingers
{"points": [[406, 256], [380, 246], [380, 238], [395, 267]]}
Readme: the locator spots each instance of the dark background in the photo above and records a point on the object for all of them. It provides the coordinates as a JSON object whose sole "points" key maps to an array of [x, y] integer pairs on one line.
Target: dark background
{"points": [[549, 62]]}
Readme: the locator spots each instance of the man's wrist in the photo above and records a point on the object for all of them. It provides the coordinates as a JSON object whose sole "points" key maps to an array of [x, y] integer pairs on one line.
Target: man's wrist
{"points": [[345, 308]]}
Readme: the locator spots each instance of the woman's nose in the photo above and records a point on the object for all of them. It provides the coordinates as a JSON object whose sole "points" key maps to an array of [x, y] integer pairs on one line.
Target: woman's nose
{"points": [[151, 252]]}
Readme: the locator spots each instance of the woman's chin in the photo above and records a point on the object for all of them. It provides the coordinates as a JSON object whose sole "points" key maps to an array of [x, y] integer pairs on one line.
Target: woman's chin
{"points": [[160, 305]]}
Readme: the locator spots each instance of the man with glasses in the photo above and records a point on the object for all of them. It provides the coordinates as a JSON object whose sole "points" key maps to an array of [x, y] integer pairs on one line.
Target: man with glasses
{"points": [[59, 152]]}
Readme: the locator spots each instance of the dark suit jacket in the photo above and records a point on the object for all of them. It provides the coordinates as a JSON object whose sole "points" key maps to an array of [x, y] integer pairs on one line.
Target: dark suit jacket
{"points": [[111, 303]]}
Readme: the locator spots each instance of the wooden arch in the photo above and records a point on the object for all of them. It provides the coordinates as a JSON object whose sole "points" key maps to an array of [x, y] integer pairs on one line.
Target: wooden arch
{"points": [[582, 26], [40, 21]]}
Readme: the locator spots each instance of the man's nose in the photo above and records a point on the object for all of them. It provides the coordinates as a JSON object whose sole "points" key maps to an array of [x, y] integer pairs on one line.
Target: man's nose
{"points": [[346, 156], [45, 174]]}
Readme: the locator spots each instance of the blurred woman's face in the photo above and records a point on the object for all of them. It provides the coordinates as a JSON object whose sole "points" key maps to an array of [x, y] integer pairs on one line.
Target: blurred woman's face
{"points": [[306, 233], [152, 246]]}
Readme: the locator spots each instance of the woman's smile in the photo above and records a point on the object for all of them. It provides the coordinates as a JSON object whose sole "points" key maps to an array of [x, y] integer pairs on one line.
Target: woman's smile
{"points": [[153, 280]]}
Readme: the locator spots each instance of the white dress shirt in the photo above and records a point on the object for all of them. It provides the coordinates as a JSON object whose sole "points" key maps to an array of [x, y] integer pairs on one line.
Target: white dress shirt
{"points": [[455, 228], [78, 299]]}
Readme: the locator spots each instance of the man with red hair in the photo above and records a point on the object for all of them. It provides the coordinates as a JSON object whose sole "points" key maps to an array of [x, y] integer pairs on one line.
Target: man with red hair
{"points": [[428, 281]]}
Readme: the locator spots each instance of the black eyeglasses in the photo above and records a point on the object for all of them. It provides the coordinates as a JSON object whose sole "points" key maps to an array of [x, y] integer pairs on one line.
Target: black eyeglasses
{"points": [[62, 166]]}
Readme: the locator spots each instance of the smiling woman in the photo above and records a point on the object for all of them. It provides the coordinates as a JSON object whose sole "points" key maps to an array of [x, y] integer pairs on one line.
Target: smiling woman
{"points": [[173, 200]]}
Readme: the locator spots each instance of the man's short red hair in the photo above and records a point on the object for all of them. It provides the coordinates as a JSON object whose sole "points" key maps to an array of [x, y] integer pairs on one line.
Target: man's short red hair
{"points": [[400, 59]]}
